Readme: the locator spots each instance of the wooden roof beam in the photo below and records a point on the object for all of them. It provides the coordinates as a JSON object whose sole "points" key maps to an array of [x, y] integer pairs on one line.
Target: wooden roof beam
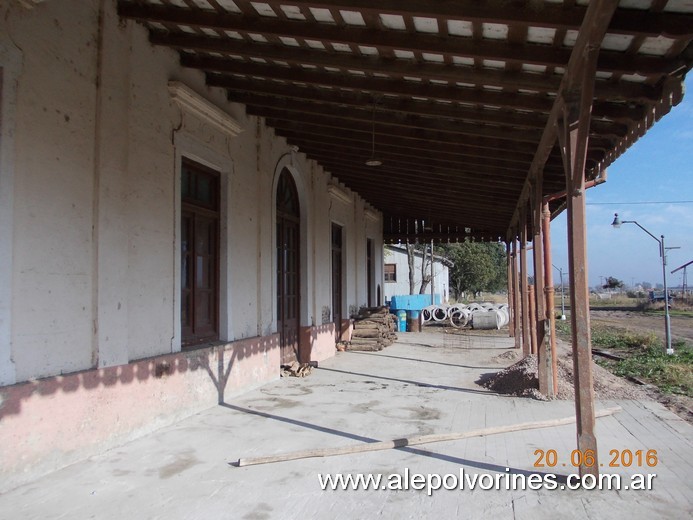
{"points": [[527, 12], [284, 97], [385, 123], [405, 135], [391, 40], [592, 32], [379, 86]]}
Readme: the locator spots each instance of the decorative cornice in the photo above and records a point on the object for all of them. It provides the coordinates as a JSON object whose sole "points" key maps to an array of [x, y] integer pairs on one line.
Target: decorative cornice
{"points": [[372, 214], [191, 102], [339, 194]]}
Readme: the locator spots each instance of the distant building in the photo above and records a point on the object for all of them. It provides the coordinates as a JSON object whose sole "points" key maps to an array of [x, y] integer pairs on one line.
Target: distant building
{"points": [[396, 273]]}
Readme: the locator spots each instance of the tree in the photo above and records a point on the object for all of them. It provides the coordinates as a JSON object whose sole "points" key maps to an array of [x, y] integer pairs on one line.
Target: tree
{"points": [[478, 266], [426, 259], [411, 251], [613, 283]]}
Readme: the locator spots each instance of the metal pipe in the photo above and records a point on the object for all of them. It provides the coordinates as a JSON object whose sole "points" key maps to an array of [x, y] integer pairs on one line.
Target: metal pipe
{"points": [[511, 295], [533, 347], [517, 315], [524, 312]]}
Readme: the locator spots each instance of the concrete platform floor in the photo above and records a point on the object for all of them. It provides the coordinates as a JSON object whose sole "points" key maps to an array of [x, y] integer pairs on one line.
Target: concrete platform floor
{"points": [[421, 385]]}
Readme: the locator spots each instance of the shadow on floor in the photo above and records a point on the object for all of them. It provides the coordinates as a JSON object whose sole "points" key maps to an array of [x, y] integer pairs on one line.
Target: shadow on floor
{"points": [[410, 382]]}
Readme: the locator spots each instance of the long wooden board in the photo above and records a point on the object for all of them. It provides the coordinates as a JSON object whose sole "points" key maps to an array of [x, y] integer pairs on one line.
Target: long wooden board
{"points": [[413, 441]]}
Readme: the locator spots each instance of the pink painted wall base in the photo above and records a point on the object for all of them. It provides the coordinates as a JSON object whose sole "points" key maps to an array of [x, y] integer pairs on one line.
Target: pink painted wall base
{"points": [[49, 423]]}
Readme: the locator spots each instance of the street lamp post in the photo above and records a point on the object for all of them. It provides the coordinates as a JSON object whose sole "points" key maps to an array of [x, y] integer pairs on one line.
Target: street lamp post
{"points": [[663, 254]]}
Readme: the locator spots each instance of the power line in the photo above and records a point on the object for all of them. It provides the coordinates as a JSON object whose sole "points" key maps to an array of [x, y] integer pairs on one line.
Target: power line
{"points": [[639, 202]]}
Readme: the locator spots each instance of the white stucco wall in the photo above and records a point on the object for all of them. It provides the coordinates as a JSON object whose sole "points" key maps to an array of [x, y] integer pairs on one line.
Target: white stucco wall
{"points": [[398, 256], [90, 191]]}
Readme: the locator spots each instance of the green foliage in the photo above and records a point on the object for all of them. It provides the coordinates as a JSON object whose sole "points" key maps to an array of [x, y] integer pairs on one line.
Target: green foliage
{"points": [[610, 337], [479, 266], [645, 357], [613, 283], [670, 373]]}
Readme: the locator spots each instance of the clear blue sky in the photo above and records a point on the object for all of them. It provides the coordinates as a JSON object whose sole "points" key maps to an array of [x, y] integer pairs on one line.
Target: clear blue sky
{"points": [[657, 168]]}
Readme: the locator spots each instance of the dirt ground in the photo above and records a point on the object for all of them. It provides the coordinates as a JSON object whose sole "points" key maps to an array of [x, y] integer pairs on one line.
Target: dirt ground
{"points": [[607, 385], [636, 321], [639, 322]]}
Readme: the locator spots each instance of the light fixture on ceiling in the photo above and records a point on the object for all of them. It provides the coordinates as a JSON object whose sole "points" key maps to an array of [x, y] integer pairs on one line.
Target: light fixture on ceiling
{"points": [[373, 161]]}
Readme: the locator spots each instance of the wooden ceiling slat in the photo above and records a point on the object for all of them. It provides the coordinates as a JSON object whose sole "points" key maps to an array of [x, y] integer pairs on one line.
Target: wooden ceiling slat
{"points": [[524, 12], [507, 79], [497, 145], [593, 29], [494, 183], [387, 124], [373, 64], [464, 125], [485, 49], [378, 86], [454, 153], [283, 97], [431, 157], [620, 113]]}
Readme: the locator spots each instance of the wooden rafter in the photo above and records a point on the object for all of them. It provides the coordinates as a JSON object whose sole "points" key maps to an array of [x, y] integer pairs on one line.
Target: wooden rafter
{"points": [[463, 91]]}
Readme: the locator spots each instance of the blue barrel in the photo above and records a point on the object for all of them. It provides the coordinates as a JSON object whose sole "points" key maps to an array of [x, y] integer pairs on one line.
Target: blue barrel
{"points": [[402, 320]]}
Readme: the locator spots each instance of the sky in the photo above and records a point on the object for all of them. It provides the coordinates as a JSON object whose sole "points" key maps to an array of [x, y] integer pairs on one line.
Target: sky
{"points": [[657, 168]]}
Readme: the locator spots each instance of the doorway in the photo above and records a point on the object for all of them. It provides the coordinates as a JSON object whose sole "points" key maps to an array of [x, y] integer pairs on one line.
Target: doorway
{"points": [[337, 239], [288, 267]]}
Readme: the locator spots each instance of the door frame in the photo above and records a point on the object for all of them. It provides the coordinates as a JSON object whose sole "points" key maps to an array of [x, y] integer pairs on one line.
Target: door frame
{"points": [[282, 221]]}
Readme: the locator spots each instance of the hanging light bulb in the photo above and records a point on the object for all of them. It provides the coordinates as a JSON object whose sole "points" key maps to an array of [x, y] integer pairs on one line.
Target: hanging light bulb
{"points": [[373, 161]]}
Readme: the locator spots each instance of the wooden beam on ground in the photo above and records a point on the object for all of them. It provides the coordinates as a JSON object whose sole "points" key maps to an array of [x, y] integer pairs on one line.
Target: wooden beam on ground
{"points": [[415, 441]]}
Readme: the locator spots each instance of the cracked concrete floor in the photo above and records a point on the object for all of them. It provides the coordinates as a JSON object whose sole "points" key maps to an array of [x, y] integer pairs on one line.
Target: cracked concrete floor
{"points": [[423, 384]]}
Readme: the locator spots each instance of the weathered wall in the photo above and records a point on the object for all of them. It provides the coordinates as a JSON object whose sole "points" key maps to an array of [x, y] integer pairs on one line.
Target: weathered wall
{"points": [[49, 423], [90, 216]]}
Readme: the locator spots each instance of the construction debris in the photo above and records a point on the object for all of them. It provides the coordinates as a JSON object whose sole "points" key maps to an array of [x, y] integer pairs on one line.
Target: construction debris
{"points": [[374, 329], [297, 369]]}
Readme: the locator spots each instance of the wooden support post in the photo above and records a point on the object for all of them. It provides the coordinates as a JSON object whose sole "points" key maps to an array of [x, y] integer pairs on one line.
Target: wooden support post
{"points": [[511, 294], [543, 371], [573, 134], [570, 120], [517, 297], [549, 292], [524, 310]]}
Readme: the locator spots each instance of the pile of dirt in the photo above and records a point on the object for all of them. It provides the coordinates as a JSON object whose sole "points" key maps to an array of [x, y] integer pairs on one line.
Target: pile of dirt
{"points": [[509, 355], [606, 384], [521, 379]]}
